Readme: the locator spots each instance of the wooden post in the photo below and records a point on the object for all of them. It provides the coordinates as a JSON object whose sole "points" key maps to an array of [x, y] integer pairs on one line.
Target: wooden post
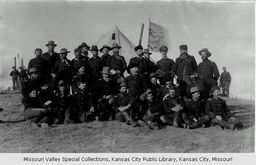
{"points": [[141, 33]]}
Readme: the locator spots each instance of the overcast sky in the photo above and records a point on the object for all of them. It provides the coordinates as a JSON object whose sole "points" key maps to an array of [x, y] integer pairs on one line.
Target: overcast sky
{"points": [[226, 29]]}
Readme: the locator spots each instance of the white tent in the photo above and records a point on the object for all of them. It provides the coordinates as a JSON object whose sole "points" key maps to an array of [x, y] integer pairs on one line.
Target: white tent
{"points": [[127, 50]]}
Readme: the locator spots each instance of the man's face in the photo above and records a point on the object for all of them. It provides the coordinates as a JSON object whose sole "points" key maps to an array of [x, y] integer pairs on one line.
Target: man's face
{"points": [[123, 90], [164, 53], [105, 77], [196, 96], [134, 71], [33, 76], [51, 48], [150, 97], [84, 49], [94, 53], [140, 52], [63, 55], [38, 53], [183, 51], [153, 80], [172, 93], [61, 87], [168, 83], [33, 94], [81, 71], [82, 86], [203, 56], [147, 55], [77, 54], [105, 51], [115, 51], [216, 93]]}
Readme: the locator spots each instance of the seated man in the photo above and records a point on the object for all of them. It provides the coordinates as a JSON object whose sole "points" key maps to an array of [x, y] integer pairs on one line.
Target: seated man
{"points": [[62, 102], [80, 76], [173, 107], [194, 115], [82, 106], [164, 89], [122, 105], [218, 112], [103, 94], [153, 85], [153, 111], [34, 109]]}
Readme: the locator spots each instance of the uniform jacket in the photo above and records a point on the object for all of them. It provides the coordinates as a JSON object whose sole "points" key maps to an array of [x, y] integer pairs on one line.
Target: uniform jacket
{"points": [[152, 68], [166, 65], [103, 87], [78, 62], [225, 77], [63, 70], [117, 63], [195, 109], [30, 102], [216, 107], [140, 62], [136, 84], [208, 69], [14, 73], [121, 100], [81, 102], [95, 65], [39, 63], [185, 65], [51, 59], [104, 58]]}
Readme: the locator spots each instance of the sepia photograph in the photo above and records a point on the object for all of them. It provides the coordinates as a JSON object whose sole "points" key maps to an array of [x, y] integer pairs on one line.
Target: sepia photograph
{"points": [[127, 77]]}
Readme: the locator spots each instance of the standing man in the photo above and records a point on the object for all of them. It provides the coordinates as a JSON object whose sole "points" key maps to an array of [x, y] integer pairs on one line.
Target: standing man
{"points": [[140, 62], [165, 65], [50, 57], [84, 50], [152, 68], [207, 71], [39, 64], [79, 61], [15, 74], [225, 80], [63, 69], [185, 65], [105, 54], [95, 64], [117, 63]]}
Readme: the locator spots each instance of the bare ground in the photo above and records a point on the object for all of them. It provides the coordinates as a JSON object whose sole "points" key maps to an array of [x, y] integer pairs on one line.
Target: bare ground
{"points": [[114, 136]]}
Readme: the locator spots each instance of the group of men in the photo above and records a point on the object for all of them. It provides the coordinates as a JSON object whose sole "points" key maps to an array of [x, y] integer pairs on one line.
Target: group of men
{"points": [[58, 90]]}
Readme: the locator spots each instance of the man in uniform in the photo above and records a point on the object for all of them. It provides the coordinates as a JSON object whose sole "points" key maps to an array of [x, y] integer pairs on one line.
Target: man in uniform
{"points": [[194, 115], [32, 80], [103, 93], [152, 68], [117, 63], [84, 50], [136, 86], [63, 68], [153, 85], [225, 80], [80, 76], [40, 64], [173, 107], [165, 65], [50, 57], [79, 61], [185, 65], [95, 64], [141, 62], [216, 109], [164, 89], [207, 70], [105, 54], [15, 75]]}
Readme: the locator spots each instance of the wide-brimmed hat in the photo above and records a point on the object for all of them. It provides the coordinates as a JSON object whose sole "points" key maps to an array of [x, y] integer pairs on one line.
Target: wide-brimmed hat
{"points": [[64, 51], [105, 70], [163, 48], [153, 75], [182, 47], [115, 45], [138, 47], [194, 89], [84, 45], [51, 43], [206, 51], [32, 70], [123, 84], [103, 47], [94, 48], [214, 88], [146, 51]]}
